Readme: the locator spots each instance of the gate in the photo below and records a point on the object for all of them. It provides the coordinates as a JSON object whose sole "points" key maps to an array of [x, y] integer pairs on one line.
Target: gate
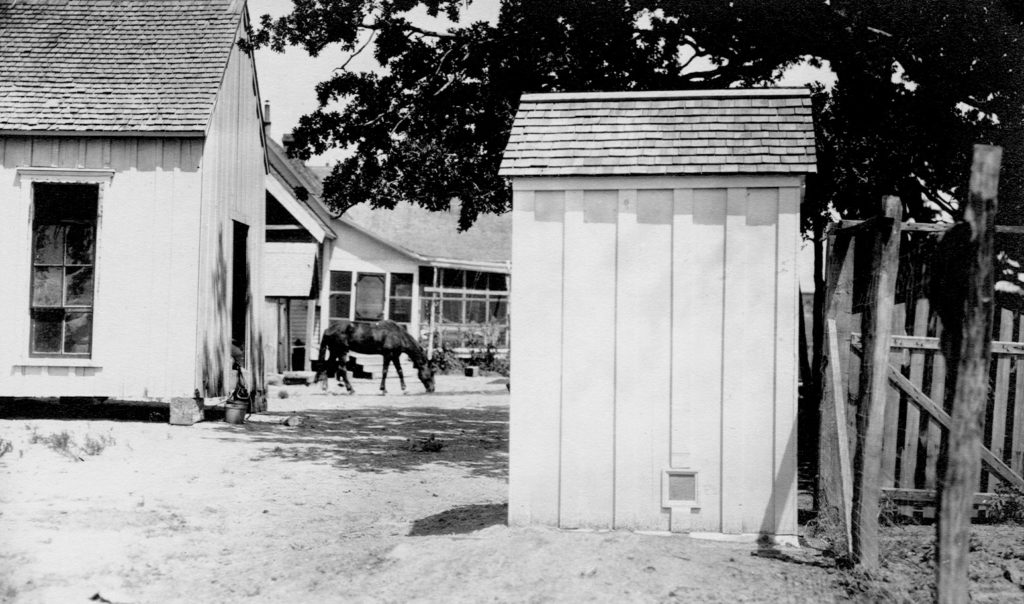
{"points": [[916, 412]]}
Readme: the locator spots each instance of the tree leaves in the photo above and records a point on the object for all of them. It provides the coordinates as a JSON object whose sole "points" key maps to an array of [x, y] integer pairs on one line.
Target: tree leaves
{"points": [[919, 81]]}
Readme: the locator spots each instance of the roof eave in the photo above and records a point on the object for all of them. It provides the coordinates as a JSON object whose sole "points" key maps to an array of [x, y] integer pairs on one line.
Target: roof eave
{"points": [[107, 133]]}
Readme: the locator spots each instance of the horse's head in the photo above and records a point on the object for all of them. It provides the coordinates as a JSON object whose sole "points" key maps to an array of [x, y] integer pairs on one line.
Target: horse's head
{"points": [[426, 374]]}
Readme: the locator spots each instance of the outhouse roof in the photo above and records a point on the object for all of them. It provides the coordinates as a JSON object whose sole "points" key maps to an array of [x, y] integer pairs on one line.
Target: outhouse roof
{"points": [[126, 66], [731, 131]]}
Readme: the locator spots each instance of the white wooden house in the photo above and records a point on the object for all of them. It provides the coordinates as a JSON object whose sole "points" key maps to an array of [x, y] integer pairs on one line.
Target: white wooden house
{"points": [[299, 240], [408, 265], [654, 365], [131, 199]]}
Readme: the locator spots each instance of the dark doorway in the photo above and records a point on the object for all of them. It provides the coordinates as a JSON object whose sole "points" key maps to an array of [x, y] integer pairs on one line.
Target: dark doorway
{"points": [[239, 286]]}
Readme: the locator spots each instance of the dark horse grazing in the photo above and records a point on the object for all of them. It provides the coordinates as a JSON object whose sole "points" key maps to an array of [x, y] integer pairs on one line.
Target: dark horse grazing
{"points": [[385, 338]]}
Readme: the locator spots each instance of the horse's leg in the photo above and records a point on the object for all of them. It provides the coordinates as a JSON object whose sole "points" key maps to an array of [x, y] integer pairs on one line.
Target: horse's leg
{"points": [[398, 367], [344, 373], [384, 374]]}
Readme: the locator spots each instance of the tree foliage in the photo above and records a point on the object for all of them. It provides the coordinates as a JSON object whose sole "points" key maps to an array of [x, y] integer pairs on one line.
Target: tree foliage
{"points": [[918, 82]]}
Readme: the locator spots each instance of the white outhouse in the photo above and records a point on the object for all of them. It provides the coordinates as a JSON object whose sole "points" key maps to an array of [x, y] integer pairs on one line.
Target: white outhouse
{"points": [[654, 368]]}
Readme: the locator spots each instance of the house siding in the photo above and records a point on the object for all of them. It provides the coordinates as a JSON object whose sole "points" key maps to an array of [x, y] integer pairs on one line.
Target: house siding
{"points": [[146, 266], [233, 189]]}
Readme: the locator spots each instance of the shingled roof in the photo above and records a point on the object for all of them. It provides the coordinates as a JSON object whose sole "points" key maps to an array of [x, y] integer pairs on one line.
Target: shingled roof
{"points": [[434, 237], [127, 66], [733, 131], [429, 237]]}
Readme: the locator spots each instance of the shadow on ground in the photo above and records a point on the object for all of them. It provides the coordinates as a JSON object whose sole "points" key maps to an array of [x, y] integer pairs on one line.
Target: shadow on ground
{"points": [[84, 408], [463, 519], [386, 440]]}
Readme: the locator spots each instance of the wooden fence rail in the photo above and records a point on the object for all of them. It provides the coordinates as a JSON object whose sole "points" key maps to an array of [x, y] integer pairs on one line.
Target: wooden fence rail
{"points": [[915, 412]]}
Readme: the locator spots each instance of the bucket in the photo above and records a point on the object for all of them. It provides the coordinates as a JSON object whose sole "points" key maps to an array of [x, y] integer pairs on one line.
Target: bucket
{"points": [[234, 413]]}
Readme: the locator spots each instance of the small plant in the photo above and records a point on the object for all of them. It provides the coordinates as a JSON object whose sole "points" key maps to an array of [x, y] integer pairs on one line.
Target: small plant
{"points": [[95, 446], [61, 442], [5, 447], [282, 394], [445, 361], [1007, 505]]}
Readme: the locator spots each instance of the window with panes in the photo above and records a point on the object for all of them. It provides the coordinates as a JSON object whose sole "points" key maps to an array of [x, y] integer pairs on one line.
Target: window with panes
{"points": [[63, 269], [340, 298]]}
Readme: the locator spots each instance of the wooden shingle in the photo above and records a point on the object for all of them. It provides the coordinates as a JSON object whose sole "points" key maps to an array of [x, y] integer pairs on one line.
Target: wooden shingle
{"points": [[761, 131], [113, 65]]}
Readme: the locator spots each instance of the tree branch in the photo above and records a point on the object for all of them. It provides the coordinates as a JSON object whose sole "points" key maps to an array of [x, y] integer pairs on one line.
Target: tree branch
{"points": [[355, 54], [376, 26]]}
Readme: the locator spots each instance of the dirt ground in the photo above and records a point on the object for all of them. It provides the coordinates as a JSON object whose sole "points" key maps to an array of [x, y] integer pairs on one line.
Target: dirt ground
{"points": [[356, 504]]}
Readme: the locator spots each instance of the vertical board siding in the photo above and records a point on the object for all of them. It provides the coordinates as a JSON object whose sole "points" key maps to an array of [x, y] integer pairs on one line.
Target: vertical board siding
{"points": [[588, 372], [749, 338], [784, 488], [233, 189], [145, 281], [642, 357], [535, 406], [672, 345], [698, 294]]}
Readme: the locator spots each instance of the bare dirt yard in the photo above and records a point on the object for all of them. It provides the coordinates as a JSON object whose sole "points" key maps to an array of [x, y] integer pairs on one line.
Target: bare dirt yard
{"points": [[359, 503]]}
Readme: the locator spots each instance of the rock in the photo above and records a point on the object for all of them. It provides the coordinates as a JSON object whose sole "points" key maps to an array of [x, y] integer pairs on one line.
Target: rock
{"points": [[295, 421], [1014, 575]]}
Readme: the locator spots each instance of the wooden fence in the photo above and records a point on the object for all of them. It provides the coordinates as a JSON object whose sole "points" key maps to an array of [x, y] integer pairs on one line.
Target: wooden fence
{"points": [[916, 415]]}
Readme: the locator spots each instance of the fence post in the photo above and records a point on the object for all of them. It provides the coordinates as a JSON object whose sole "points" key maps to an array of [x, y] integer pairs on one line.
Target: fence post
{"points": [[960, 479], [837, 300], [877, 329]]}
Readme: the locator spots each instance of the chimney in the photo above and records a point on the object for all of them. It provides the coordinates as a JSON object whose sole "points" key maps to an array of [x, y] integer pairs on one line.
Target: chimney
{"points": [[266, 119], [287, 141]]}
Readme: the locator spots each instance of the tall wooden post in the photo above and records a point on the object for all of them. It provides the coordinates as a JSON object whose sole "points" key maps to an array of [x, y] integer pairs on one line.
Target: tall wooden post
{"points": [[963, 463], [877, 329], [833, 458]]}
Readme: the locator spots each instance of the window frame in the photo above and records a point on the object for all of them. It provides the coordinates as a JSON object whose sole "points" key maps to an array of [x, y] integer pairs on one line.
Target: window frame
{"points": [[331, 292], [392, 296], [26, 179]]}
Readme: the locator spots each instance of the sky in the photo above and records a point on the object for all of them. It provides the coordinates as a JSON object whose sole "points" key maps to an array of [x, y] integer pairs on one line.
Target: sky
{"points": [[287, 80]]}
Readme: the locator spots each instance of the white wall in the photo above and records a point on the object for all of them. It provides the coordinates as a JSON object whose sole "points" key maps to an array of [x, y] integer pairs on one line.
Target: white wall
{"points": [[146, 265], [354, 251], [655, 324], [233, 190]]}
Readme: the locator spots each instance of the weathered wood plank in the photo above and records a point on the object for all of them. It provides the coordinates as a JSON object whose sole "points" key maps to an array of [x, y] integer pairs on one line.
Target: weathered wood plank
{"points": [[1017, 435], [962, 470], [939, 414], [842, 438], [873, 391], [932, 227], [928, 496], [912, 425], [997, 433], [937, 391], [835, 482], [892, 405], [932, 343]]}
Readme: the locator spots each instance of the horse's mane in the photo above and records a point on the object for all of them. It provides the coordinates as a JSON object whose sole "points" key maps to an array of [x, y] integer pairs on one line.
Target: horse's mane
{"points": [[409, 343]]}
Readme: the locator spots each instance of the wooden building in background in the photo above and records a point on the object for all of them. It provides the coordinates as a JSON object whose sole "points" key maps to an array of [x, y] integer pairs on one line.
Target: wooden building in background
{"points": [[654, 365], [132, 192], [299, 240], [409, 265]]}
